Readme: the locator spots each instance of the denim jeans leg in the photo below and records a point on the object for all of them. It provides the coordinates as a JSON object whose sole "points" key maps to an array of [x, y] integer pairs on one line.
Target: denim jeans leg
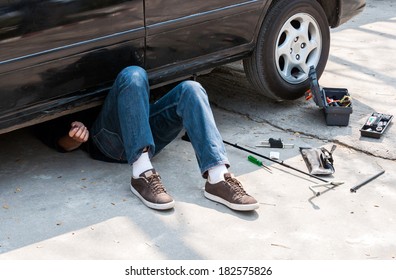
{"points": [[187, 106], [122, 129]]}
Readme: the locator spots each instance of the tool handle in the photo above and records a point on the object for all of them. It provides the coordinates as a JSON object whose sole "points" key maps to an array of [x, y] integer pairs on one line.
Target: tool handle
{"points": [[255, 161]]}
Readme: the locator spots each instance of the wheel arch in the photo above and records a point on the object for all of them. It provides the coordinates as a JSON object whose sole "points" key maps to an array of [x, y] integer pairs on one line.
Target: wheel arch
{"points": [[331, 8]]}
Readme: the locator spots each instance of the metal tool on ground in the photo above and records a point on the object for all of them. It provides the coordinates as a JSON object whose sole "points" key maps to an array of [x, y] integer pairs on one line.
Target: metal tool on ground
{"points": [[255, 161], [326, 182], [331, 185], [355, 188], [275, 143], [276, 161]]}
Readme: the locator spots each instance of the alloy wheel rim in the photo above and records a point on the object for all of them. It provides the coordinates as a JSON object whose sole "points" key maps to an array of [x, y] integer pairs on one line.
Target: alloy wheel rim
{"points": [[298, 47]]}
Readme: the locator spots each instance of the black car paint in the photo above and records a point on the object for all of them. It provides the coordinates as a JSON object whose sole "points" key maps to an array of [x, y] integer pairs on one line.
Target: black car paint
{"points": [[57, 48], [58, 56]]}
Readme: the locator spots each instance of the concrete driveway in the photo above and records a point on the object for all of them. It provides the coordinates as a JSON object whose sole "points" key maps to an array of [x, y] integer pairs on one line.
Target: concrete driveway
{"points": [[67, 206]]}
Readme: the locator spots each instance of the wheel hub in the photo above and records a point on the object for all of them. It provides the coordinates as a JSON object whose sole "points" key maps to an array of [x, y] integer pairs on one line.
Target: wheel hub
{"points": [[299, 46]]}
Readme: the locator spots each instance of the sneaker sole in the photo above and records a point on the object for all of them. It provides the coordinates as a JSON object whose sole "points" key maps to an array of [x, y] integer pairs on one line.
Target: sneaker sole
{"points": [[233, 206], [156, 206]]}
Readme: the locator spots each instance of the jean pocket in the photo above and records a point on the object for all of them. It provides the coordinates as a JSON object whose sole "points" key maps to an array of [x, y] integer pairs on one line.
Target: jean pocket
{"points": [[110, 144]]}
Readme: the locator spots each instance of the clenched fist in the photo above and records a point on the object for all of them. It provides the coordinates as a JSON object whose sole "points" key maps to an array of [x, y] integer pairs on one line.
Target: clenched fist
{"points": [[79, 132]]}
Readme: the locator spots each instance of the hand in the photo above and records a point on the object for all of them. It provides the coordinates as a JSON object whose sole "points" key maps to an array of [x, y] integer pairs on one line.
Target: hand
{"points": [[77, 135], [79, 132]]}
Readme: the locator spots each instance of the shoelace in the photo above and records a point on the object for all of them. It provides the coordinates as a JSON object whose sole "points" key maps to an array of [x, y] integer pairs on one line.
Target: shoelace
{"points": [[156, 184], [236, 186]]}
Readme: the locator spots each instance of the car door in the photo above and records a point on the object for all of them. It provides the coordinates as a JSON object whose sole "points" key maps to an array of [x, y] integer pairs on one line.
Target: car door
{"points": [[179, 30], [55, 48]]}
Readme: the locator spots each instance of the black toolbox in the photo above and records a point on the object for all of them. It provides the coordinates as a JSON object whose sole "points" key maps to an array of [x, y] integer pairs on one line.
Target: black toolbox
{"points": [[335, 102]]}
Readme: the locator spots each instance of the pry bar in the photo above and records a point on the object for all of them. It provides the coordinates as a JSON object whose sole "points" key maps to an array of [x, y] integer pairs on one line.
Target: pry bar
{"points": [[355, 188]]}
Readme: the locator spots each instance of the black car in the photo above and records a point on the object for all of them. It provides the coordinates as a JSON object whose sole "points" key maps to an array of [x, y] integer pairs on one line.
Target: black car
{"points": [[61, 56]]}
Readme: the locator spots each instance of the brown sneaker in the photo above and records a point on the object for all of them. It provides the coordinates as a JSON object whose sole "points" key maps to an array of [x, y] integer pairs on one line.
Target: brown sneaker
{"points": [[230, 192], [149, 188]]}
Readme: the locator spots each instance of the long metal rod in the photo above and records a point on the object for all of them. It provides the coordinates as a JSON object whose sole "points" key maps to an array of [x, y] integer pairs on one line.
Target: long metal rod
{"points": [[355, 188], [276, 161]]}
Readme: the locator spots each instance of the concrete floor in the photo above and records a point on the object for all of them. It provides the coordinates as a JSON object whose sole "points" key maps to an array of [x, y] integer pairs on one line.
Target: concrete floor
{"points": [[67, 206]]}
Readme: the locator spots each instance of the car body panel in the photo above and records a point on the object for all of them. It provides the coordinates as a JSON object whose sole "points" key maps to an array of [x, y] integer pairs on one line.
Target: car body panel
{"points": [[51, 49], [198, 28], [201, 35]]}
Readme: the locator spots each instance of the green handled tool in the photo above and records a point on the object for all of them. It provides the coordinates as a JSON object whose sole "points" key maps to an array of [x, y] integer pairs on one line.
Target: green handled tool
{"points": [[255, 161]]}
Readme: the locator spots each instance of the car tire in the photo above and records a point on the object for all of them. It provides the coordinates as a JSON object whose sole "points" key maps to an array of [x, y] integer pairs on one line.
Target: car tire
{"points": [[294, 36]]}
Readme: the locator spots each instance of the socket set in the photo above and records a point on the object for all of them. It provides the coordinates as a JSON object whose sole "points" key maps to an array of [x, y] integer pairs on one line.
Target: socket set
{"points": [[376, 125]]}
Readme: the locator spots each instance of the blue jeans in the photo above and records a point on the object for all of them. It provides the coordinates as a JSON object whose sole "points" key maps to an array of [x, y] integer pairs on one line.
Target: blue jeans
{"points": [[128, 123]]}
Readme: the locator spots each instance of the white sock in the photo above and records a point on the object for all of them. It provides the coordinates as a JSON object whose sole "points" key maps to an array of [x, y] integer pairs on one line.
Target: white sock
{"points": [[141, 165], [216, 174]]}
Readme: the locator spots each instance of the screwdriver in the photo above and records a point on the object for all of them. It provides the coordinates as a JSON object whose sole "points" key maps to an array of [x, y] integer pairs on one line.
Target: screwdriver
{"points": [[255, 161]]}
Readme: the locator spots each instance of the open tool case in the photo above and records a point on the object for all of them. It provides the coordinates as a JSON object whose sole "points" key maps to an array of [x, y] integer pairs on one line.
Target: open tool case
{"points": [[376, 125], [335, 102]]}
